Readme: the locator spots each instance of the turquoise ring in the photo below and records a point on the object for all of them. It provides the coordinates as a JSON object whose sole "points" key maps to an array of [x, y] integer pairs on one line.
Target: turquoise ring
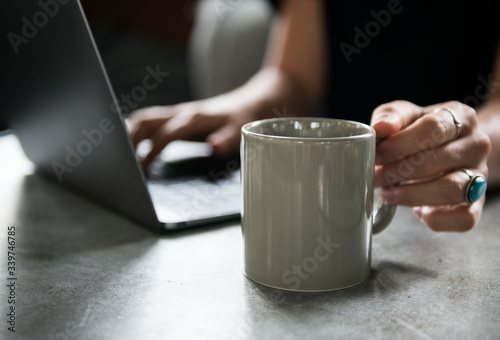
{"points": [[476, 187]]}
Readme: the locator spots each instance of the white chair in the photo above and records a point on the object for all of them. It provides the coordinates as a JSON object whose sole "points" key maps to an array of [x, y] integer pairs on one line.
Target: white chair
{"points": [[227, 44]]}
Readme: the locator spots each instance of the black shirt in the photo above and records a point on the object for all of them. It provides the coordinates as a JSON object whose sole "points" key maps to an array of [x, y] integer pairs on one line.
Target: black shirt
{"points": [[422, 51]]}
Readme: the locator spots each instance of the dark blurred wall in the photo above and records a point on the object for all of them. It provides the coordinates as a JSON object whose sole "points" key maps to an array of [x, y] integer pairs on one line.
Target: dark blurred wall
{"points": [[169, 20], [133, 35]]}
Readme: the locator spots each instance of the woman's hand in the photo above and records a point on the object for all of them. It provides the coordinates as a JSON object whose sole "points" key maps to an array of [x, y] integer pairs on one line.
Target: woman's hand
{"points": [[419, 161], [218, 122]]}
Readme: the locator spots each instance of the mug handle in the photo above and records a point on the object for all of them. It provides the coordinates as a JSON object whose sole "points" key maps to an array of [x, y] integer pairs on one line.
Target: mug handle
{"points": [[383, 214]]}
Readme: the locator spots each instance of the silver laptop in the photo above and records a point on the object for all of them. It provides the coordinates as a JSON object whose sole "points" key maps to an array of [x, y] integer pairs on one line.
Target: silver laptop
{"points": [[60, 104]]}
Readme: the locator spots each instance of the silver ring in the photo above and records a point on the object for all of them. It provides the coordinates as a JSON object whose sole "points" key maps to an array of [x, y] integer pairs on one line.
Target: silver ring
{"points": [[475, 188], [456, 121]]}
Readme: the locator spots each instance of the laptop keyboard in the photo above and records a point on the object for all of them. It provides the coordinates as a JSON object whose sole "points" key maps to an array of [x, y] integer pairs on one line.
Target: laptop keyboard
{"points": [[198, 198]]}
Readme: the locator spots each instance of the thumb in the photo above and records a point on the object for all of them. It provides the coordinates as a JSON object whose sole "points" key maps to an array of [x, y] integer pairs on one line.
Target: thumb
{"points": [[389, 118]]}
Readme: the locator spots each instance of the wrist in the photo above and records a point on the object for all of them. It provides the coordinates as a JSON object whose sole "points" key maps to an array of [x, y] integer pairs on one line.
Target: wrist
{"points": [[273, 93]]}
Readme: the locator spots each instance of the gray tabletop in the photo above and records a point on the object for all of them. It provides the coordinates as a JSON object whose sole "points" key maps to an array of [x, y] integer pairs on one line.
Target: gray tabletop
{"points": [[84, 272]]}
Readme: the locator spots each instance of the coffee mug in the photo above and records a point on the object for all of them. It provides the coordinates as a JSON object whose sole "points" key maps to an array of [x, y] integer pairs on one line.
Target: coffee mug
{"points": [[308, 197]]}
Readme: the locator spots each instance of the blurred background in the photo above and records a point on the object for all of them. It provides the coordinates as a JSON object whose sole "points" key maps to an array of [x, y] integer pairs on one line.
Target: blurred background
{"points": [[134, 34], [207, 46]]}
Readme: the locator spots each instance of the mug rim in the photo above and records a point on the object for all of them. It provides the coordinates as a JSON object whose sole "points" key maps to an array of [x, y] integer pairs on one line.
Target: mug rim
{"points": [[246, 129]]}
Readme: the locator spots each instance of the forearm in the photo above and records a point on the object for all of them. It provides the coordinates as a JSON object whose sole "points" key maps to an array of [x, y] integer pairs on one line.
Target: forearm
{"points": [[489, 121], [291, 81], [271, 93]]}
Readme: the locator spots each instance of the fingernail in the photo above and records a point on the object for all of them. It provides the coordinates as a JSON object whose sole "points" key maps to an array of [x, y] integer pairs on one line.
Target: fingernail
{"points": [[389, 118], [386, 117], [388, 195]]}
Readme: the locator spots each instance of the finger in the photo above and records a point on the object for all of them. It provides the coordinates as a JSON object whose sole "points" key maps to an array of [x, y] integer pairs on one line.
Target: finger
{"points": [[225, 140], [389, 118], [143, 122], [184, 126], [464, 153], [448, 189], [431, 130], [144, 129], [156, 148], [162, 136], [460, 217]]}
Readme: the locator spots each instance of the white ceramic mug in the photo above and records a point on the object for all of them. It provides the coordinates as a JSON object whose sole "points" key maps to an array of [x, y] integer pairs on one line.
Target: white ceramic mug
{"points": [[307, 215]]}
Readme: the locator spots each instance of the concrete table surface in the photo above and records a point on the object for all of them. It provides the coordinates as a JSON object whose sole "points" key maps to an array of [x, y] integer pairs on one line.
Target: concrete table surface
{"points": [[84, 272]]}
